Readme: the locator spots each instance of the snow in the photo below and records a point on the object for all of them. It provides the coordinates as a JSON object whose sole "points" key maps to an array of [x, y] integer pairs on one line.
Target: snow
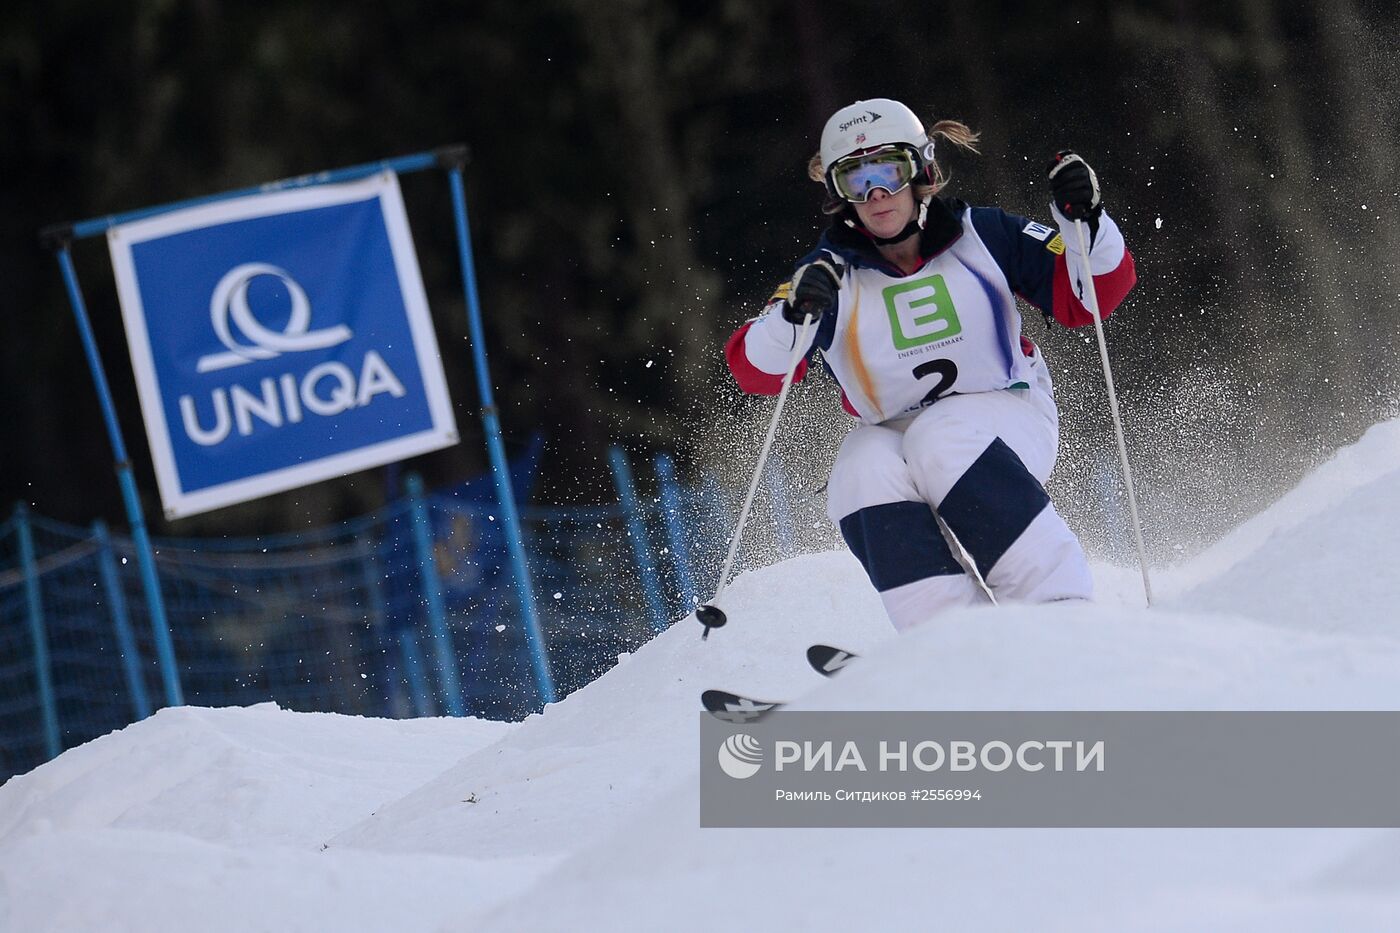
{"points": [[586, 817]]}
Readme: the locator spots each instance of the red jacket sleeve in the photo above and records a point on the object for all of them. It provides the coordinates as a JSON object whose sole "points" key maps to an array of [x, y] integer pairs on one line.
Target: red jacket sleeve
{"points": [[1111, 288], [750, 378]]}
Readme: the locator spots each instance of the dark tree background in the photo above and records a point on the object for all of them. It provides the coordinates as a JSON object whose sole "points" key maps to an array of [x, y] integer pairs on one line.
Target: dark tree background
{"points": [[637, 188]]}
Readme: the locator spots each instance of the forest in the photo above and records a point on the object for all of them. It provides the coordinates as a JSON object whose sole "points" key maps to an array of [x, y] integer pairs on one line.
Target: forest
{"points": [[637, 188]]}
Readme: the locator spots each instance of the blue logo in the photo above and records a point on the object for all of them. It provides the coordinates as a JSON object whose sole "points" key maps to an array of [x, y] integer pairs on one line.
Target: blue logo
{"points": [[270, 340], [231, 300]]}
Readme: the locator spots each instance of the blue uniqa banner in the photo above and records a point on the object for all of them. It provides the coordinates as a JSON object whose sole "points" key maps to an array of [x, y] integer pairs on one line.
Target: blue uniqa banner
{"points": [[278, 340]]}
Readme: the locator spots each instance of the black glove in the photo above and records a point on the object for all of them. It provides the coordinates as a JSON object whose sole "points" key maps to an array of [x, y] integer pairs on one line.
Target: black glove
{"points": [[814, 288], [1074, 187]]}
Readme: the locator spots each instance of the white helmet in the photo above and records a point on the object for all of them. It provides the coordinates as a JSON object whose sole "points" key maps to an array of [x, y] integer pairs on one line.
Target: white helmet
{"points": [[868, 124]]}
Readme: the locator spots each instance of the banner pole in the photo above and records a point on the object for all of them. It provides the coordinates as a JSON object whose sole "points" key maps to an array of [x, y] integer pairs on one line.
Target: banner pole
{"points": [[647, 564], [673, 510], [121, 622], [145, 556], [500, 470], [430, 588], [38, 635], [401, 165]]}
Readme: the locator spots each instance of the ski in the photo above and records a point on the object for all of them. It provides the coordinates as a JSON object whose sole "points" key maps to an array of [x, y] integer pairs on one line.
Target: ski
{"points": [[731, 707], [826, 660]]}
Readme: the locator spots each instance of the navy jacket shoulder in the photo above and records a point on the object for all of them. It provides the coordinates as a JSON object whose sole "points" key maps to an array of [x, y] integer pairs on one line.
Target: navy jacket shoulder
{"points": [[1023, 249]]}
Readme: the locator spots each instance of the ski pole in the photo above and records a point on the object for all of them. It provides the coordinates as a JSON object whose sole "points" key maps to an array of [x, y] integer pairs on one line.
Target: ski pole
{"points": [[961, 555], [1093, 297], [710, 615]]}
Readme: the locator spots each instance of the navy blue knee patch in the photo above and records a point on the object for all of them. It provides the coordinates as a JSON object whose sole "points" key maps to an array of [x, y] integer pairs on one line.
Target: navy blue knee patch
{"points": [[992, 503], [898, 543]]}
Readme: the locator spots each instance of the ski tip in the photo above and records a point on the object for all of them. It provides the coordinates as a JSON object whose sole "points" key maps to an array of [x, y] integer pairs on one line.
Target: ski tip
{"points": [[827, 660], [730, 707]]}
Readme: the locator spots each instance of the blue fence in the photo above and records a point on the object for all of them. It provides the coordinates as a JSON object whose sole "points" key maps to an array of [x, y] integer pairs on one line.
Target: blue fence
{"points": [[356, 618]]}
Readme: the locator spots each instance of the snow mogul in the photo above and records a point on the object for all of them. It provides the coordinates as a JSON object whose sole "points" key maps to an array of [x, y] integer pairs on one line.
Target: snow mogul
{"points": [[913, 295]]}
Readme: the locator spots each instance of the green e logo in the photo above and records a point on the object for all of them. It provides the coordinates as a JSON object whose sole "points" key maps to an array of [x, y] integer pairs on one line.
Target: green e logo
{"points": [[921, 312]]}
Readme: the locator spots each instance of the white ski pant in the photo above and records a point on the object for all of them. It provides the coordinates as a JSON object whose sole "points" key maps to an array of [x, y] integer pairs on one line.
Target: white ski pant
{"points": [[982, 460]]}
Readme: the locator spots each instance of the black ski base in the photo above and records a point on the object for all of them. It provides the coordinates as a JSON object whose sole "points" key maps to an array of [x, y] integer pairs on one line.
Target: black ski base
{"points": [[826, 660], [731, 707]]}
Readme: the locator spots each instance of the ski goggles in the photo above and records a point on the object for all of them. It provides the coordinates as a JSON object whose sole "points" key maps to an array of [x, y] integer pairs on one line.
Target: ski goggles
{"points": [[854, 178]]}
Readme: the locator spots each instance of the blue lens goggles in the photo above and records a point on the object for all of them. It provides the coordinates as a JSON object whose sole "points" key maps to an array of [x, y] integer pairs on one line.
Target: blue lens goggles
{"points": [[855, 178]]}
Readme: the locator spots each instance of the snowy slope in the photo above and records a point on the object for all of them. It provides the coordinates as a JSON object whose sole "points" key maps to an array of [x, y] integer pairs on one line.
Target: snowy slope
{"points": [[585, 817], [215, 819], [664, 867], [550, 783]]}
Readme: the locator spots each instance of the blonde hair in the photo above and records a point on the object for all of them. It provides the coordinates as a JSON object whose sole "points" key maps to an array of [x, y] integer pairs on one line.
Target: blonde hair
{"points": [[957, 133]]}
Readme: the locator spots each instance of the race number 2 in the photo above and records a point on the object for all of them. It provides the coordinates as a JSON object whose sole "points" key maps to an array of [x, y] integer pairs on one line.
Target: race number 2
{"points": [[947, 372]]}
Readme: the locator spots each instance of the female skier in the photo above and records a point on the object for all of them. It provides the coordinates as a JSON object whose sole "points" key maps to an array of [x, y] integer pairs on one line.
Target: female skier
{"points": [[913, 296]]}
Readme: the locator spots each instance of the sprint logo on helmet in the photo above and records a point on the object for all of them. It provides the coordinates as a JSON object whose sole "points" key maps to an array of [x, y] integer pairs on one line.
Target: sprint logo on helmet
{"points": [[869, 124], [869, 116], [741, 756]]}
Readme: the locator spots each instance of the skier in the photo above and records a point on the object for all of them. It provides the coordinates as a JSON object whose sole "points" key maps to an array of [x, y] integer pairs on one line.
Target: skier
{"points": [[913, 297]]}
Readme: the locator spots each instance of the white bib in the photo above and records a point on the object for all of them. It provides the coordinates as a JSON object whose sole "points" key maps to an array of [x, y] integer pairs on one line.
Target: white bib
{"points": [[900, 344]]}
